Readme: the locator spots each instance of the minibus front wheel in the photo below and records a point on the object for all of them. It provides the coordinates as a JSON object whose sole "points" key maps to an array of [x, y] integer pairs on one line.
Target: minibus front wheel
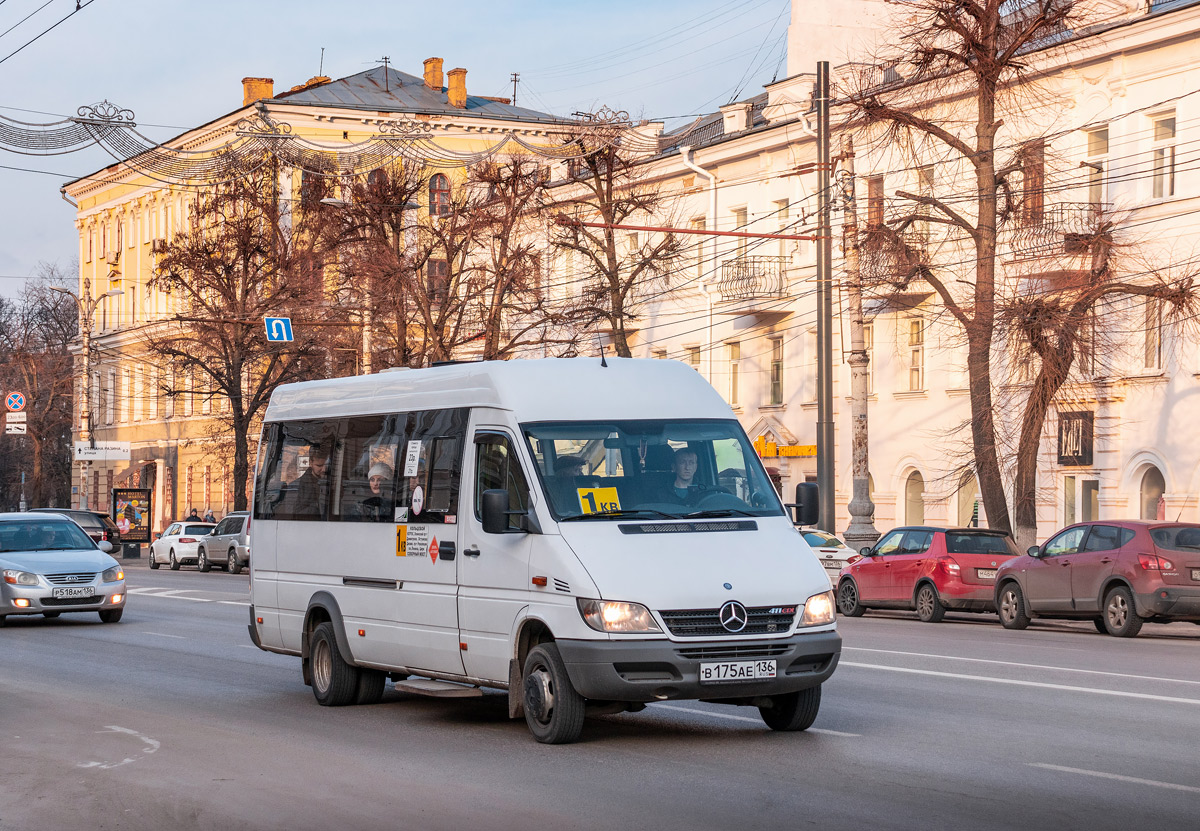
{"points": [[792, 711], [553, 709]]}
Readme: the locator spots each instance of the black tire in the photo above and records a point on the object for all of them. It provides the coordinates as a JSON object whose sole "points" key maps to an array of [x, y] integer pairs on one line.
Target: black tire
{"points": [[847, 599], [232, 564], [153, 562], [792, 711], [1010, 606], [553, 710], [370, 686], [929, 605], [3, 620], [174, 562], [202, 563], [1100, 627], [1120, 615], [111, 615], [334, 682], [51, 615]]}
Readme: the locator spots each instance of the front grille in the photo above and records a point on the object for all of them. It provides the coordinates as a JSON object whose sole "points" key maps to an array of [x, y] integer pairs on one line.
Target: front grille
{"points": [[705, 623], [732, 653], [73, 578], [72, 601], [688, 527]]}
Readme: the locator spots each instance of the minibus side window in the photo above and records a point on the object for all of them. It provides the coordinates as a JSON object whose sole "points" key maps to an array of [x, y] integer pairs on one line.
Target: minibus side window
{"points": [[497, 468], [308, 464], [368, 486], [431, 456], [268, 487]]}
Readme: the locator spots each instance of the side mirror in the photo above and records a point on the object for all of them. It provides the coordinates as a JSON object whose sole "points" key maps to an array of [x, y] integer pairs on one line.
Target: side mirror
{"points": [[865, 551], [807, 506], [1034, 551], [158, 535], [494, 509], [105, 546]]}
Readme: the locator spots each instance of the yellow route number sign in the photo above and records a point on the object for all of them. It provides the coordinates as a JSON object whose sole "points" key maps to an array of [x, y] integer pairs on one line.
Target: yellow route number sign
{"points": [[598, 500], [401, 540]]}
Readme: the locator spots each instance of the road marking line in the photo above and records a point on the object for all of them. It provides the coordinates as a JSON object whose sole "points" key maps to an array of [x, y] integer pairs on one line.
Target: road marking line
{"points": [[1100, 774], [751, 720], [165, 635], [1015, 682], [1015, 664], [234, 602], [146, 590]]}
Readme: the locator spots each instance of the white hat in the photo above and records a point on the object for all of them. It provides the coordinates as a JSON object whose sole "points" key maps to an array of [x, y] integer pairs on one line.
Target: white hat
{"points": [[380, 469]]}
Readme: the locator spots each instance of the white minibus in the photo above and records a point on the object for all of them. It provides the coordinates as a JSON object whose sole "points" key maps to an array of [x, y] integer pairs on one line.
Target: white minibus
{"points": [[588, 536]]}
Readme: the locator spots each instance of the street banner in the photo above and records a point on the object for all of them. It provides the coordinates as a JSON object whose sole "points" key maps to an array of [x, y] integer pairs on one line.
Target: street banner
{"points": [[107, 451], [131, 511]]}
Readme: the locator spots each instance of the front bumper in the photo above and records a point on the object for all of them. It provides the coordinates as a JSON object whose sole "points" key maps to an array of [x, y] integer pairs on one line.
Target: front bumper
{"points": [[41, 599], [1180, 602], [661, 670]]}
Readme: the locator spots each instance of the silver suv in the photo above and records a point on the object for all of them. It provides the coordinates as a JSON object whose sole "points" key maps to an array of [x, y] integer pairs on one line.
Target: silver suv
{"points": [[227, 544]]}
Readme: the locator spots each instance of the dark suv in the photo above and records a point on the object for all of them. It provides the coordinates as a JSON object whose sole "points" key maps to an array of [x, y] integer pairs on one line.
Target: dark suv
{"points": [[927, 569], [1117, 573], [97, 525]]}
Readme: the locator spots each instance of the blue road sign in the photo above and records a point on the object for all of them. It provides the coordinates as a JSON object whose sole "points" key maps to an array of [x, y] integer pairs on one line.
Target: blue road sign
{"points": [[278, 328], [15, 402]]}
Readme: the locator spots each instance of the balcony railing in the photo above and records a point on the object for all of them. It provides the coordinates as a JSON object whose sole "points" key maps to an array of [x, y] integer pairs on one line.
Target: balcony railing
{"points": [[750, 278], [1051, 231]]}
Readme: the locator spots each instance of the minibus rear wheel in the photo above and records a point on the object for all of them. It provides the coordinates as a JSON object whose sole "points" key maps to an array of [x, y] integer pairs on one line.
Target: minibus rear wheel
{"points": [[553, 709], [334, 682], [792, 711]]}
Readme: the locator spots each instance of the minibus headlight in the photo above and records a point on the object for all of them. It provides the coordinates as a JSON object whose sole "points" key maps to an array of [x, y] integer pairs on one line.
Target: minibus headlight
{"points": [[20, 578], [613, 616], [818, 609]]}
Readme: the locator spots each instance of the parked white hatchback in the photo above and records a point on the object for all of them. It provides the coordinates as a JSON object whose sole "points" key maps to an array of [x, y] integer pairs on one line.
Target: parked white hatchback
{"points": [[50, 566], [179, 544]]}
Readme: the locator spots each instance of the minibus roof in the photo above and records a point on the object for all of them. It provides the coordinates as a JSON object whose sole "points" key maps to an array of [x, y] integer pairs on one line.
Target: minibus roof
{"points": [[544, 389]]}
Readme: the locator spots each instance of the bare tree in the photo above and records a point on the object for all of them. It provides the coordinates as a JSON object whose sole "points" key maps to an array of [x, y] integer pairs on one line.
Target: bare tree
{"points": [[35, 333], [959, 74], [608, 187], [246, 255]]}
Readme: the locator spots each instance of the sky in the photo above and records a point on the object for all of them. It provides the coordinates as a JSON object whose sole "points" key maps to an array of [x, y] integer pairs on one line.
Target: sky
{"points": [[179, 65]]}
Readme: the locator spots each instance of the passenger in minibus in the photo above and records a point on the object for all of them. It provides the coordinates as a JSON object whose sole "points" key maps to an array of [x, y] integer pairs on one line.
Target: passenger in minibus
{"points": [[309, 495], [684, 487], [378, 506]]}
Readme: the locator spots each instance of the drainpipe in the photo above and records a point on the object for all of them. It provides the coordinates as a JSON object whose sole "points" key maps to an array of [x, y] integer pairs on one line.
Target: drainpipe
{"points": [[707, 286]]}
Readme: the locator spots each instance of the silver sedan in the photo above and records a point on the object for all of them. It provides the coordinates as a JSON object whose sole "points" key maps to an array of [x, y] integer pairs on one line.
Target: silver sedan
{"points": [[50, 566]]}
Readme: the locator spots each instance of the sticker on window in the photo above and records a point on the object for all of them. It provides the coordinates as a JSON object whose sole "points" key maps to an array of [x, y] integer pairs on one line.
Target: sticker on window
{"points": [[598, 500], [412, 458]]}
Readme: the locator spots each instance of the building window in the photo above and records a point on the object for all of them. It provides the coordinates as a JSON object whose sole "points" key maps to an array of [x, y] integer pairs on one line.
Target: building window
{"points": [[783, 220], [110, 397], [925, 179], [1096, 164], [916, 354], [312, 190], [875, 201], [740, 220], [1153, 488], [1033, 166], [776, 371], [914, 499], [659, 354], [697, 224], [439, 195], [734, 352], [89, 248], [693, 357], [1163, 155], [1153, 336], [438, 280]]}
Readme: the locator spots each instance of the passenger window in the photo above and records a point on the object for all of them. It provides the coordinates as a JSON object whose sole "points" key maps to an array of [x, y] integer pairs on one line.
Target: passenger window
{"points": [[497, 468], [889, 544], [1065, 543], [368, 491], [1103, 538], [916, 542], [299, 478]]}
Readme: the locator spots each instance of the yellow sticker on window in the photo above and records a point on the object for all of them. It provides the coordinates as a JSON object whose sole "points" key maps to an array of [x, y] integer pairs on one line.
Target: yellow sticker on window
{"points": [[598, 500]]}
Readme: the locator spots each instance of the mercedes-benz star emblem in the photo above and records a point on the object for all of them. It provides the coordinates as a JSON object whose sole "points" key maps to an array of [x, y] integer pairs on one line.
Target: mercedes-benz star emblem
{"points": [[733, 616]]}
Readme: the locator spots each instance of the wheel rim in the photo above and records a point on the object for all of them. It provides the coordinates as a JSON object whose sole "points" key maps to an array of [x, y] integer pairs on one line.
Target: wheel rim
{"points": [[1118, 611], [172, 558], [1008, 605], [925, 602], [322, 665], [200, 563], [539, 686], [231, 561], [849, 596]]}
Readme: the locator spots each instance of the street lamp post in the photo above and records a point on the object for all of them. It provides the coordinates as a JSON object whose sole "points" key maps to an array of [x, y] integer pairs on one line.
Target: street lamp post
{"points": [[87, 310]]}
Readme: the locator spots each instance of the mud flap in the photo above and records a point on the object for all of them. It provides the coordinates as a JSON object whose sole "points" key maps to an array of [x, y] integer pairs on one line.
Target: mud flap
{"points": [[515, 708]]}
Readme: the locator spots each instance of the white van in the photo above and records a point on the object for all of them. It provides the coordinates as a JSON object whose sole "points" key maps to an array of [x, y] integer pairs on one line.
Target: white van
{"points": [[589, 537]]}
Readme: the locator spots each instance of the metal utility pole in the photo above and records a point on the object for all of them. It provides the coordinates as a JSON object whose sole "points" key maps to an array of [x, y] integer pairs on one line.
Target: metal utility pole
{"points": [[861, 531], [516, 77], [825, 466]]}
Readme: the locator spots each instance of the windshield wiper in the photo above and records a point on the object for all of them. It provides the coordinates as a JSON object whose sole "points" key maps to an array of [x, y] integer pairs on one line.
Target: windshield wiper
{"points": [[719, 512], [611, 514]]}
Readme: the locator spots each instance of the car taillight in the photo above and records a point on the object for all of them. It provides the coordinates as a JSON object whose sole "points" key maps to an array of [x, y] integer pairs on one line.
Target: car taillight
{"points": [[1152, 562], [950, 564], [187, 539]]}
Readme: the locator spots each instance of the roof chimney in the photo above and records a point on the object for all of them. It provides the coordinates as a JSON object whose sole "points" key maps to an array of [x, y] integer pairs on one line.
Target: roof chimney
{"points": [[433, 73], [456, 93], [254, 89]]}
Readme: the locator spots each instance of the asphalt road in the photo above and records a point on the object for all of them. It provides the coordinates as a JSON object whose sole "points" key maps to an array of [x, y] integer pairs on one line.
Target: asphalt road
{"points": [[172, 719]]}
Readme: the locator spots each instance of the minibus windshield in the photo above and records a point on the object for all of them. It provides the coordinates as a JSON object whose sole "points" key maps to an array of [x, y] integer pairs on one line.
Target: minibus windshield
{"points": [[597, 470]]}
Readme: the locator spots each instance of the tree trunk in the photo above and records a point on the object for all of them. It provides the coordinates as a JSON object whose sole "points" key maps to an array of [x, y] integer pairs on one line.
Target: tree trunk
{"points": [[1052, 375]]}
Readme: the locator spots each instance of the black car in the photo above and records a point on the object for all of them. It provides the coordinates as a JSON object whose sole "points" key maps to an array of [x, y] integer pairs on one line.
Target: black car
{"points": [[98, 526]]}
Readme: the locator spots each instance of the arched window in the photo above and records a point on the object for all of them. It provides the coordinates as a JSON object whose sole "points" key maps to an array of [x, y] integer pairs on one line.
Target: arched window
{"points": [[439, 195], [968, 502], [914, 499], [1153, 488]]}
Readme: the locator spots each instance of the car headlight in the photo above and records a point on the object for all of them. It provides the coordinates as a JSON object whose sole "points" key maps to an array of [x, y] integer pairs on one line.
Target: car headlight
{"points": [[613, 616], [113, 574], [20, 578], [818, 609]]}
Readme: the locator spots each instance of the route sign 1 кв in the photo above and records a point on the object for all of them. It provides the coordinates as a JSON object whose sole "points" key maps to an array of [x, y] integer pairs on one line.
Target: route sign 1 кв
{"points": [[278, 328]]}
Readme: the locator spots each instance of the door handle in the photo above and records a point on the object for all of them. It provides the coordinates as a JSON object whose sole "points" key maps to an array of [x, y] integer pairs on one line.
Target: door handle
{"points": [[1064, 563], [1106, 560], [472, 551]]}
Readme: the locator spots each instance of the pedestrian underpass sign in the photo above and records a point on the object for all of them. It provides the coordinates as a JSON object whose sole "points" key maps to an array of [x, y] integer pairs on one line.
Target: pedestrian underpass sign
{"points": [[278, 328]]}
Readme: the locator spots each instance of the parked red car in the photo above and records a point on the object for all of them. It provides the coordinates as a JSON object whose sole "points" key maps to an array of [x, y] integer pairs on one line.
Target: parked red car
{"points": [[927, 569], [1116, 573]]}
